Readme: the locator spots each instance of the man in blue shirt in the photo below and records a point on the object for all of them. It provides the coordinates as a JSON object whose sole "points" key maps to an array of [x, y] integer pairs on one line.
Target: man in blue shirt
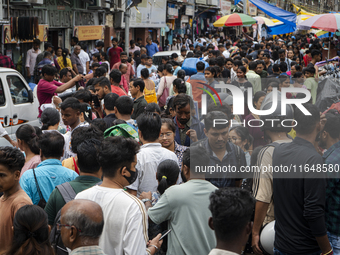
{"points": [[197, 81], [151, 47], [49, 173]]}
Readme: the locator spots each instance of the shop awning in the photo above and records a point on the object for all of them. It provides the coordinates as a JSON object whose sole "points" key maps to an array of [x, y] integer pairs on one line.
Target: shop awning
{"points": [[280, 29], [286, 17]]}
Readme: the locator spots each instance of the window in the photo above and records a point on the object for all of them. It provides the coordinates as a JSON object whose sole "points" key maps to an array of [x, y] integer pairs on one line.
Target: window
{"points": [[18, 89], [2, 95]]}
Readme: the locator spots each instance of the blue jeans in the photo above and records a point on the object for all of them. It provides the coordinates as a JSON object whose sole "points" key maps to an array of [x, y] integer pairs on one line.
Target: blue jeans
{"points": [[277, 252], [335, 243], [30, 80]]}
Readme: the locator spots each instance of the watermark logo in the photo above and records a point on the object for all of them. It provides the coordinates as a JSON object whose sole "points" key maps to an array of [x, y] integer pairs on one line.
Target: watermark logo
{"points": [[238, 99]]}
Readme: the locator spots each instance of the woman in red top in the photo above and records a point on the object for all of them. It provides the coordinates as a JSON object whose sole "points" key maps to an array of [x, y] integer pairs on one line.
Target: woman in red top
{"points": [[307, 58]]}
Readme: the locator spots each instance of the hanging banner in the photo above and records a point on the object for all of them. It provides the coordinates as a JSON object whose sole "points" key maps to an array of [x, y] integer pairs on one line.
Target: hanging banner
{"points": [[252, 9], [89, 33], [225, 7], [43, 33], [149, 14]]}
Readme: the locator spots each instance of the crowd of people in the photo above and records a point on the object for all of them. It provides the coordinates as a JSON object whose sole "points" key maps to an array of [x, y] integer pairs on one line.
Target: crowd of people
{"points": [[114, 164]]}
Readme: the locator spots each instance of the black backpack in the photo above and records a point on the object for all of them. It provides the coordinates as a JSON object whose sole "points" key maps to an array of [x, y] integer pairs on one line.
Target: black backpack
{"points": [[68, 194]]}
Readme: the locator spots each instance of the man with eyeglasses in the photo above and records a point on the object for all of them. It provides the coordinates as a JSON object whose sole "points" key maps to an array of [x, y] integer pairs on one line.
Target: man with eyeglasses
{"points": [[81, 225]]}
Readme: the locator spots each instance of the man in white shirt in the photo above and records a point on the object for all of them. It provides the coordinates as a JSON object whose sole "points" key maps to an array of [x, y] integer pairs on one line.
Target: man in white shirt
{"points": [[150, 155], [84, 58], [253, 77], [31, 59], [126, 222], [223, 50], [232, 225], [133, 47]]}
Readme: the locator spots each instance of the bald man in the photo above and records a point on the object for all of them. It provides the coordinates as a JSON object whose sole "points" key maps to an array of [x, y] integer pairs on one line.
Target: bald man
{"points": [[81, 224]]}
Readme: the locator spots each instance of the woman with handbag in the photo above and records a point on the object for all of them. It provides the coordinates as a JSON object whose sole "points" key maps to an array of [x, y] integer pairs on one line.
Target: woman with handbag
{"points": [[165, 84]]}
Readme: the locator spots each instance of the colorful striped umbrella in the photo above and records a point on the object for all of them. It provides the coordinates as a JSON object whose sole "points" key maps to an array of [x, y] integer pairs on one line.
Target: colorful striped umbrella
{"points": [[264, 20], [328, 22], [235, 19]]}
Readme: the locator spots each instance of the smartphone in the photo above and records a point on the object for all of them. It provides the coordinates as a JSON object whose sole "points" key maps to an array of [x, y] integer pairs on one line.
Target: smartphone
{"points": [[96, 101], [164, 234]]}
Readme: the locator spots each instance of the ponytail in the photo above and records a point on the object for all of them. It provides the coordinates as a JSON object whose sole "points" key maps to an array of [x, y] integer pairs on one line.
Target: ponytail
{"points": [[167, 174], [163, 185], [27, 134], [64, 54], [44, 126], [30, 232]]}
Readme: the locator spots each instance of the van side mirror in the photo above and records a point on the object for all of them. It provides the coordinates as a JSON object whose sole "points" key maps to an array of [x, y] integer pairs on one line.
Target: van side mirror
{"points": [[30, 96]]}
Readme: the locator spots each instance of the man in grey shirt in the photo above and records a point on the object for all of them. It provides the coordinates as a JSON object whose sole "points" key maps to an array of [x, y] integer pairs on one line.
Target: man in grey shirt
{"points": [[76, 62]]}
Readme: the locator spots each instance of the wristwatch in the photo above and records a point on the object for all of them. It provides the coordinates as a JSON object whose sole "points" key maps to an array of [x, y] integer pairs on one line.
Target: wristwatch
{"points": [[144, 200]]}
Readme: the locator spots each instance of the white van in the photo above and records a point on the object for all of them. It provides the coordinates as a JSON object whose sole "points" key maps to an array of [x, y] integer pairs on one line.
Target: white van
{"points": [[18, 104], [157, 57]]}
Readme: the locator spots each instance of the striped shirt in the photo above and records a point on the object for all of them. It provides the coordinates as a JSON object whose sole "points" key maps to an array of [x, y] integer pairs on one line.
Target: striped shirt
{"points": [[88, 250]]}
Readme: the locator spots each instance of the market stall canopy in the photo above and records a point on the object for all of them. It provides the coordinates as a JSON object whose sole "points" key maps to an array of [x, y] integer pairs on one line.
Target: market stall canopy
{"points": [[302, 18], [328, 22], [263, 20], [280, 29], [286, 17], [235, 19]]}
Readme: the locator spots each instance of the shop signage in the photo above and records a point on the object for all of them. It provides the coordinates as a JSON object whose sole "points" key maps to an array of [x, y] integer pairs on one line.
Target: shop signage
{"points": [[89, 33], [60, 19], [252, 9], [29, 13], [185, 19], [84, 19], [189, 1], [43, 34], [201, 1], [189, 10], [212, 2]]}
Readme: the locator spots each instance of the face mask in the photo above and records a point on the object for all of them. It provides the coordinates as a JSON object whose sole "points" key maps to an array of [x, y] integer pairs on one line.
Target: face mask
{"points": [[133, 176]]}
